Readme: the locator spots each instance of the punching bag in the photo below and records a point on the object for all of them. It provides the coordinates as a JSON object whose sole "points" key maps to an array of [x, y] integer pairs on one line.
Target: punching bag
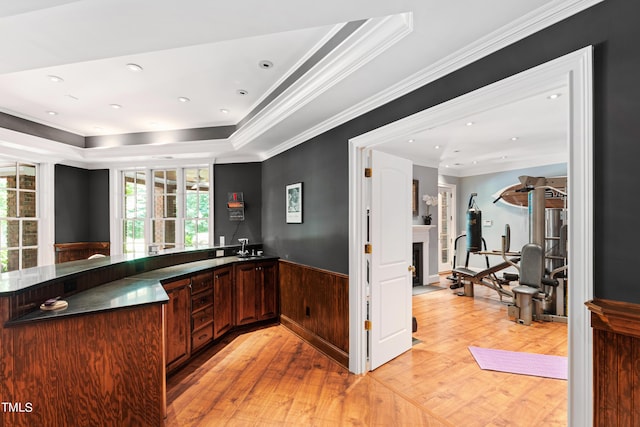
{"points": [[474, 226]]}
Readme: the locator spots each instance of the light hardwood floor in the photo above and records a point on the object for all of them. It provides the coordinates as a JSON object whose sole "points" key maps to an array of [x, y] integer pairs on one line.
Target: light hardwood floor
{"points": [[269, 377]]}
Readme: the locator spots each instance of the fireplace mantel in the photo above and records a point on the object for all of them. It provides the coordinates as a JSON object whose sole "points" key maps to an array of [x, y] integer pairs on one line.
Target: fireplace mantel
{"points": [[421, 234]]}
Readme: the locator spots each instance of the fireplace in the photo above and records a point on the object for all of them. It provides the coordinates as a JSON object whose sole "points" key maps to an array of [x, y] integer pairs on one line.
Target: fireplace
{"points": [[421, 262], [418, 259]]}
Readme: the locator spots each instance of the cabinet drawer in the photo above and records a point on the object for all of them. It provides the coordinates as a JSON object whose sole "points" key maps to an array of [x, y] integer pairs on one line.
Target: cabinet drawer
{"points": [[202, 318], [201, 337], [201, 300], [201, 282]]}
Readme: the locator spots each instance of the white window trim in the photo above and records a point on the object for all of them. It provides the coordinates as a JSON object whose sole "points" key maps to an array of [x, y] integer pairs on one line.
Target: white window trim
{"points": [[45, 209], [46, 202]]}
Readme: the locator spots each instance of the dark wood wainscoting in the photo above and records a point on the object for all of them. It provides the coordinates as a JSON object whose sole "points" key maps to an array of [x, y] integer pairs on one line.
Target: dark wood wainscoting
{"points": [[616, 362], [314, 304], [80, 250]]}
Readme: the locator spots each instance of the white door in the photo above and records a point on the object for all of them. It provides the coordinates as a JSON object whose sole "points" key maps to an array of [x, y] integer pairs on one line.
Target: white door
{"points": [[446, 226], [390, 308]]}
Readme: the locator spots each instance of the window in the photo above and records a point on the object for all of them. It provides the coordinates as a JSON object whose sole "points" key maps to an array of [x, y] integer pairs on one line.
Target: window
{"points": [[196, 218], [176, 211], [18, 216], [135, 212], [163, 222]]}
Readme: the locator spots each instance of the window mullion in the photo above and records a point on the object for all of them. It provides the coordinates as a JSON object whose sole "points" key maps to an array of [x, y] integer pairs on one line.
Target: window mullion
{"points": [[149, 200], [180, 207]]}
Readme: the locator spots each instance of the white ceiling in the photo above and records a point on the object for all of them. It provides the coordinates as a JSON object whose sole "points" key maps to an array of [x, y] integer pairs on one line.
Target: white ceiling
{"points": [[525, 133], [208, 51]]}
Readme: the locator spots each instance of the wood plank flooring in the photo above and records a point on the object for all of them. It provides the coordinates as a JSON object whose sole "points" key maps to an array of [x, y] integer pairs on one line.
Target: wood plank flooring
{"points": [[269, 377]]}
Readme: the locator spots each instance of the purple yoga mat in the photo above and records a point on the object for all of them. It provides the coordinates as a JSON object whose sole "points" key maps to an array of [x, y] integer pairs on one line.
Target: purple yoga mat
{"points": [[515, 362]]}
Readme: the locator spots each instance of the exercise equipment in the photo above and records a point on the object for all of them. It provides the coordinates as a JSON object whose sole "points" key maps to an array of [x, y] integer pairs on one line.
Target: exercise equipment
{"points": [[541, 292], [463, 276], [541, 288], [474, 225]]}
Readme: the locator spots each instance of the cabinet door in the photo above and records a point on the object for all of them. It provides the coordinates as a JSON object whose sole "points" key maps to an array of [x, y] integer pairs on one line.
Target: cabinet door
{"points": [[246, 296], [177, 323], [222, 301], [267, 284]]}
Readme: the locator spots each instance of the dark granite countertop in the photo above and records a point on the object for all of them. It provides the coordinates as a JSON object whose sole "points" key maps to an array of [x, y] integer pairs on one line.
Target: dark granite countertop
{"points": [[176, 271], [13, 282], [19, 280], [141, 289], [123, 293]]}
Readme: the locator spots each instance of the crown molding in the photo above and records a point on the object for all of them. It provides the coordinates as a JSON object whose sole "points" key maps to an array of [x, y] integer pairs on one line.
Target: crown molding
{"points": [[525, 26], [367, 42]]}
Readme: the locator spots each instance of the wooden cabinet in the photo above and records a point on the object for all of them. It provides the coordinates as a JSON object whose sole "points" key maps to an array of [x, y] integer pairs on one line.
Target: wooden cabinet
{"points": [[256, 291], [267, 284], [246, 299], [207, 305], [201, 310], [222, 301], [177, 323]]}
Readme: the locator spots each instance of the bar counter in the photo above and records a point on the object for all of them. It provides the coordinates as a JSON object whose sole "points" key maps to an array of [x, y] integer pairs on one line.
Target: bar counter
{"points": [[100, 360]]}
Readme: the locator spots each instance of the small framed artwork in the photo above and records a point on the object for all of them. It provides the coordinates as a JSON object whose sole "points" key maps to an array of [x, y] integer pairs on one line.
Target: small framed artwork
{"points": [[294, 203], [415, 197]]}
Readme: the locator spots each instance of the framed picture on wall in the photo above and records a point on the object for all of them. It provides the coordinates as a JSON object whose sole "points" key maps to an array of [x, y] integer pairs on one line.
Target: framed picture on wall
{"points": [[294, 203], [414, 197]]}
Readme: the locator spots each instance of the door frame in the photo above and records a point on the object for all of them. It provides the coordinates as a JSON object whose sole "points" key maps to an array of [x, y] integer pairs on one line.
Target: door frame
{"points": [[453, 221], [574, 70]]}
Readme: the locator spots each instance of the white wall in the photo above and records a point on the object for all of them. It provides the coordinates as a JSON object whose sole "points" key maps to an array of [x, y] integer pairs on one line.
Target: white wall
{"points": [[428, 184]]}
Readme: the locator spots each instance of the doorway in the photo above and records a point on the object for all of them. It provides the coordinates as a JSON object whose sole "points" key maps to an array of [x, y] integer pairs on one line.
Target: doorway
{"points": [[573, 70], [446, 226]]}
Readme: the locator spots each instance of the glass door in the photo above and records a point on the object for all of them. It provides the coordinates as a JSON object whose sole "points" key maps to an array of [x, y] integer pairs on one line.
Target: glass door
{"points": [[446, 226]]}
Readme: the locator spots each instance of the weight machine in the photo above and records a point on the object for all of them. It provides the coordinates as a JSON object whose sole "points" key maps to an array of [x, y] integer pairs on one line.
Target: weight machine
{"points": [[540, 293]]}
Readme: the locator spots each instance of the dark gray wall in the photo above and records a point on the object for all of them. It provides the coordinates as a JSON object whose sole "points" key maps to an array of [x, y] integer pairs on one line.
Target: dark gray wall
{"points": [[321, 240], [321, 163], [81, 205], [233, 178], [98, 200]]}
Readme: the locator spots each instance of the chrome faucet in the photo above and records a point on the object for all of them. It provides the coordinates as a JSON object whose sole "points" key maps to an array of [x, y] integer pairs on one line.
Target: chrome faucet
{"points": [[244, 241]]}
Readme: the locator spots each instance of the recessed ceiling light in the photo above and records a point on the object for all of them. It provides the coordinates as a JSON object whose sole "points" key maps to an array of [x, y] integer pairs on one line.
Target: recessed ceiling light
{"points": [[470, 123], [242, 92], [116, 106], [264, 64], [134, 67], [475, 162], [410, 140], [554, 96], [446, 166], [52, 113], [56, 79], [224, 111], [514, 138], [437, 147], [183, 99]]}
